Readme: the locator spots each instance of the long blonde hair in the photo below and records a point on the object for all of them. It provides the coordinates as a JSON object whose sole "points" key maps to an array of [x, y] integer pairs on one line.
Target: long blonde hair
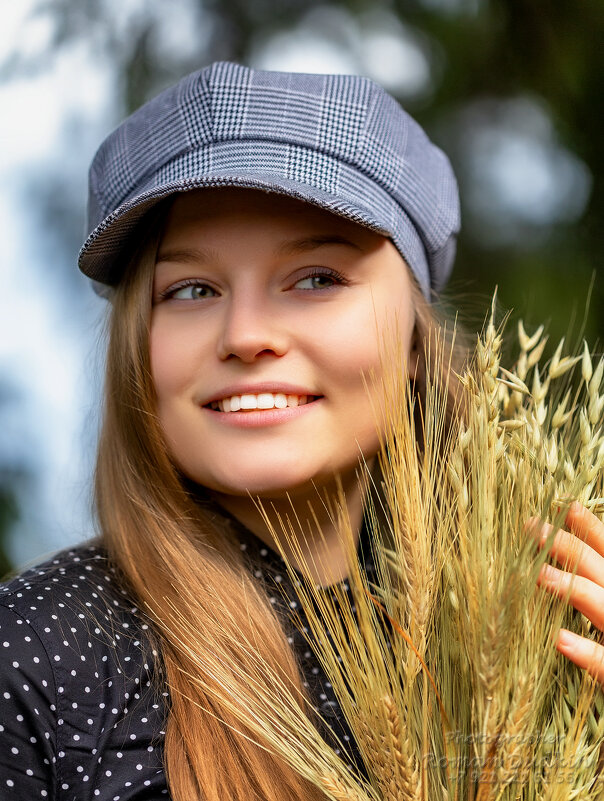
{"points": [[183, 570]]}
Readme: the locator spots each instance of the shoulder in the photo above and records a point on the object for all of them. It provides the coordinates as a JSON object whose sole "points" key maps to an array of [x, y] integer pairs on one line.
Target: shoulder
{"points": [[76, 606], [80, 677], [76, 584], [83, 569]]}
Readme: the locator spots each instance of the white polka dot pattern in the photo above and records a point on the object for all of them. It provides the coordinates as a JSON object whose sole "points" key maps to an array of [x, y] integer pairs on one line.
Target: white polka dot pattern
{"points": [[80, 714], [83, 702]]}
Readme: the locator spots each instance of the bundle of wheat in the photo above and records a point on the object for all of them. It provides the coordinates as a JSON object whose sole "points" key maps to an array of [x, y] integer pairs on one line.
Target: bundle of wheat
{"points": [[444, 667]]}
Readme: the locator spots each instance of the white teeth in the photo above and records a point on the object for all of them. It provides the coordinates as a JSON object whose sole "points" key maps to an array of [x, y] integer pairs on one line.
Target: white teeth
{"points": [[263, 400], [249, 402], [266, 401]]}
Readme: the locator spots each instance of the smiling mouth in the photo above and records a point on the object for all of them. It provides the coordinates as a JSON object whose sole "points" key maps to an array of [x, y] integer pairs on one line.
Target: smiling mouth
{"points": [[261, 402]]}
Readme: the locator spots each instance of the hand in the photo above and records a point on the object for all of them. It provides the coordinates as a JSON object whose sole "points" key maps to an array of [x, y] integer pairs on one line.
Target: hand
{"points": [[580, 549]]}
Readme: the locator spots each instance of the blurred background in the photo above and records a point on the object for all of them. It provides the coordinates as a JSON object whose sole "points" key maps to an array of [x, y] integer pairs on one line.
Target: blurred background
{"points": [[511, 89]]}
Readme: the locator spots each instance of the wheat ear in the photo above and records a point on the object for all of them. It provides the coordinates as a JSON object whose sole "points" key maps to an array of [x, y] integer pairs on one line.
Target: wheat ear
{"points": [[514, 755], [336, 789], [406, 771]]}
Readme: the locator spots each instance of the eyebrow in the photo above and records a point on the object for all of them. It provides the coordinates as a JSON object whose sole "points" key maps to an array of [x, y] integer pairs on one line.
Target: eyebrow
{"points": [[304, 244], [288, 248], [186, 255]]}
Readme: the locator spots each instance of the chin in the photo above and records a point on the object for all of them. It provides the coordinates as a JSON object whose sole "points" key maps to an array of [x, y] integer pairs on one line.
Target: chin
{"points": [[265, 478], [252, 473], [273, 483]]}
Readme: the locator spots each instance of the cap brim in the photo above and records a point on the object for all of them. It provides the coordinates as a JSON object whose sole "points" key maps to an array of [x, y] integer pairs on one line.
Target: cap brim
{"points": [[108, 249]]}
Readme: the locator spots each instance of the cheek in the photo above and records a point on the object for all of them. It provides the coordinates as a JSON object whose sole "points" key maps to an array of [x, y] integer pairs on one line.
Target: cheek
{"points": [[164, 367], [344, 346], [175, 355], [380, 328], [352, 351], [376, 339]]}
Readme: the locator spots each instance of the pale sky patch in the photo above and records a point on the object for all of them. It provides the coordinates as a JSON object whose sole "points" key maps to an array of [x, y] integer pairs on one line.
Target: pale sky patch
{"points": [[330, 40], [47, 364]]}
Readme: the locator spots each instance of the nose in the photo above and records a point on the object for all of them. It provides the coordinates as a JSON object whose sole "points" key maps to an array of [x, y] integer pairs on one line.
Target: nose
{"points": [[251, 329]]}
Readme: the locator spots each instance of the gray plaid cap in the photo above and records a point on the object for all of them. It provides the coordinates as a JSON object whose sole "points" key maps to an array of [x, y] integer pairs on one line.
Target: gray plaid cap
{"points": [[339, 142]]}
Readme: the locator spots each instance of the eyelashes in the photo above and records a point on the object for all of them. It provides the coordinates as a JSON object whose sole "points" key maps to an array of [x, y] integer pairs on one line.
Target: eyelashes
{"points": [[326, 274], [188, 283], [317, 279]]}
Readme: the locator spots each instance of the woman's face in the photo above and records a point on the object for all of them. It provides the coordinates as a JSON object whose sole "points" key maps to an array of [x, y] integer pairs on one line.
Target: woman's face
{"points": [[268, 302]]}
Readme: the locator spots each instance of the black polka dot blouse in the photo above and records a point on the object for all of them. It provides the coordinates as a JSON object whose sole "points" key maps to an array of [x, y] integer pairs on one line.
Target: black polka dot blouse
{"points": [[82, 717]]}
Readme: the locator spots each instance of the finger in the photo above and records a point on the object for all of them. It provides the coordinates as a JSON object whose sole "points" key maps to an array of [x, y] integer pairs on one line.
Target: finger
{"points": [[573, 554], [586, 596], [587, 526], [583, 652]]}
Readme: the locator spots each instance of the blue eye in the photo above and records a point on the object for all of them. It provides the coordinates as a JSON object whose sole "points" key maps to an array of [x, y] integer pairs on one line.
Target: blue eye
{"points": [[320, 280], [190, 290]]}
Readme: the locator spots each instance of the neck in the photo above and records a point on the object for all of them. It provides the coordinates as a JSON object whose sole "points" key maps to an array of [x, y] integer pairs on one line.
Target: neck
{"points": [[314, 542]]}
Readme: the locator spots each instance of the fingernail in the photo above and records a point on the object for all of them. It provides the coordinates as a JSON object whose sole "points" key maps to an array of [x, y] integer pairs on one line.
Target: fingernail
{"points": [[566, 639]]}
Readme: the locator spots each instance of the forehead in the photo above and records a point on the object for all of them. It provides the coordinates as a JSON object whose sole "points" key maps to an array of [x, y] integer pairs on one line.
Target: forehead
{"points": [[210, 210]]}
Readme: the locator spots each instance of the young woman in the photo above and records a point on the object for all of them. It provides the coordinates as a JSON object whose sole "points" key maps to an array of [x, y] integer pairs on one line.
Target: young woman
{"points": [[255, 234]]}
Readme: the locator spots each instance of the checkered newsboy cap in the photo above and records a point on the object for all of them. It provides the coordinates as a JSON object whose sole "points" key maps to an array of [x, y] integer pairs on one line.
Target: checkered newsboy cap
{"points": [[339, 142]]}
